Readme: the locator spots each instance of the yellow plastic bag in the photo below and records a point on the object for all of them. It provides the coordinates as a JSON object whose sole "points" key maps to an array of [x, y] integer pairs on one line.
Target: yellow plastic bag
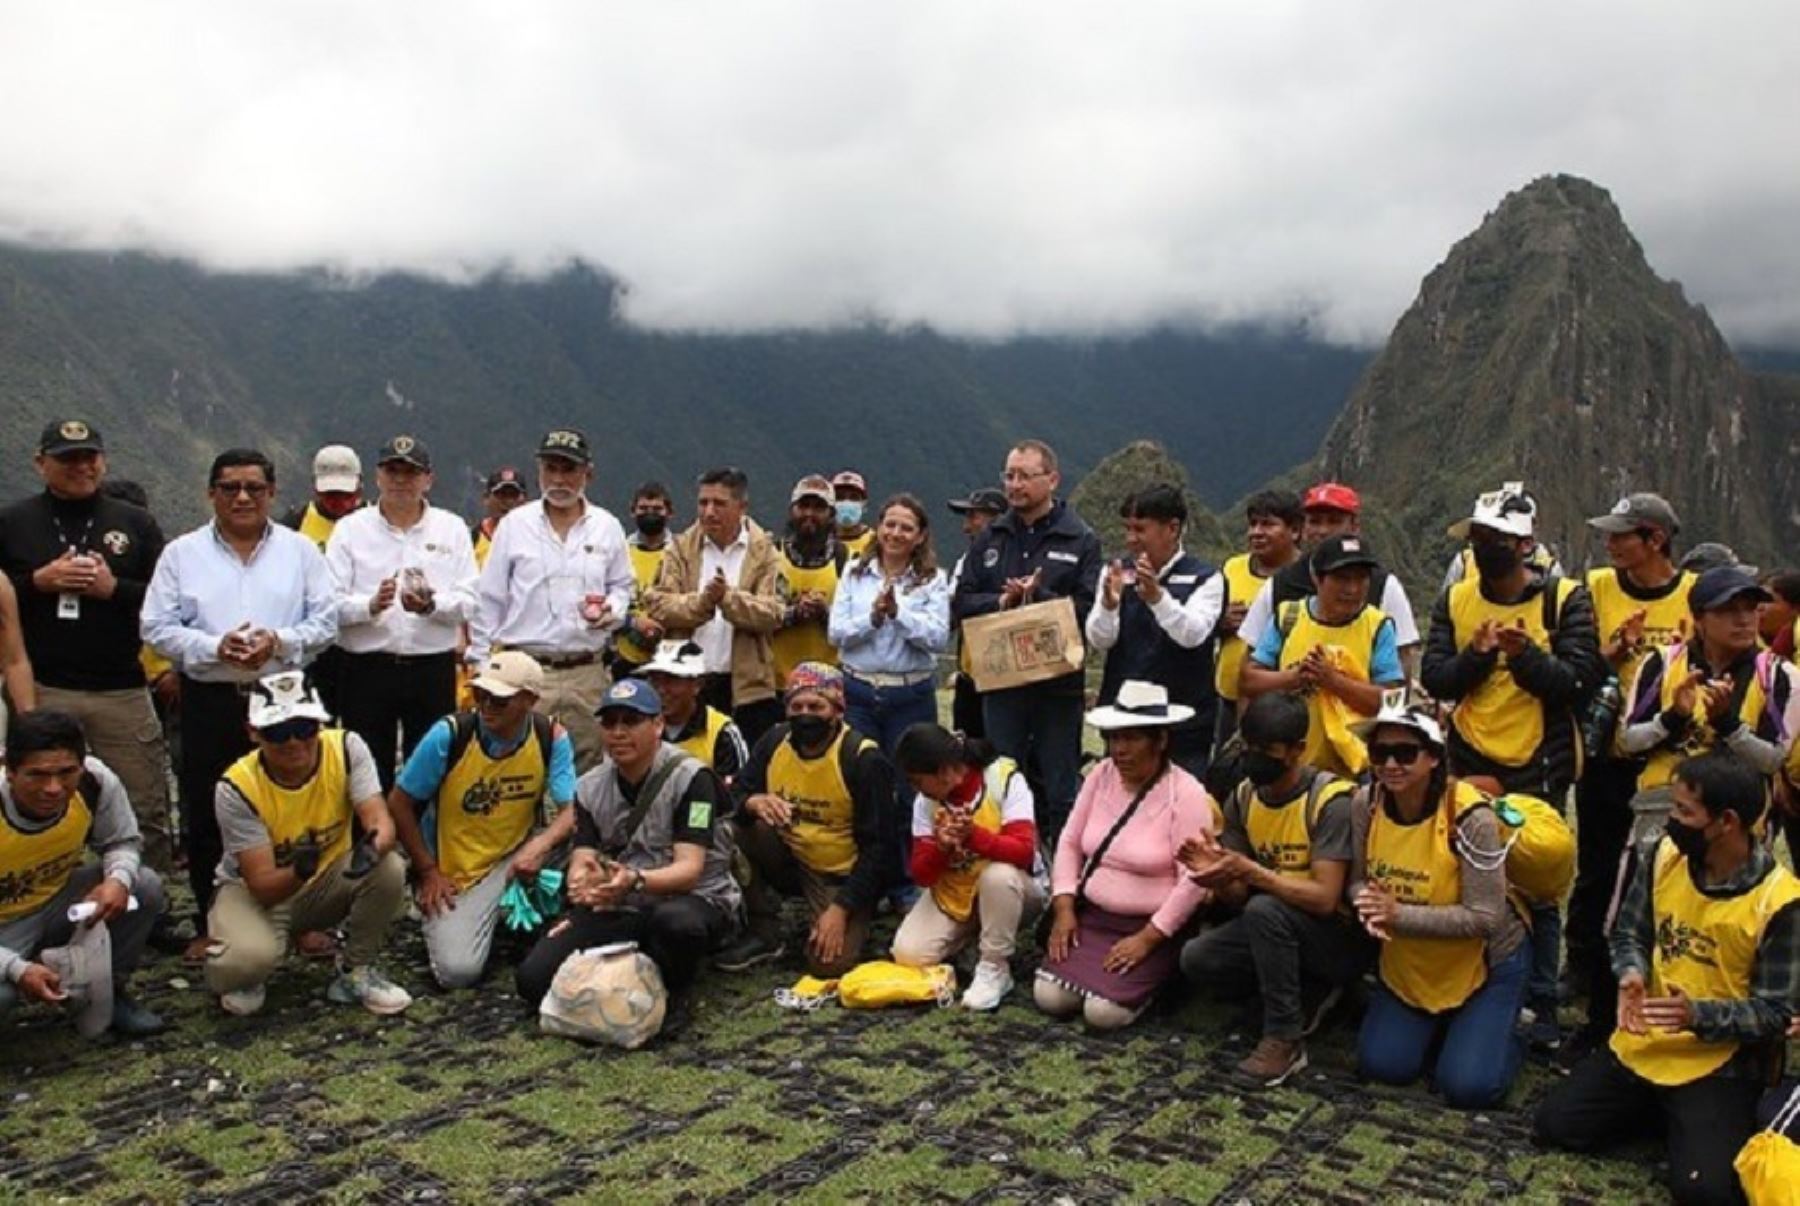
{"points": [[1338, 718], [1769, 1166], [880, 984], [1540, 856]]}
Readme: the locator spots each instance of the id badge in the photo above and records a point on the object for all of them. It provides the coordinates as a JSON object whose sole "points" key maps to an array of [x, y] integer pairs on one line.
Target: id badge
{"points": [[68, 606]]}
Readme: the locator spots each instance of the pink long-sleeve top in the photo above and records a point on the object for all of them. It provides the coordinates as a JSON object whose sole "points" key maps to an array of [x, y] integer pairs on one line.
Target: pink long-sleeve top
{"points": [[1139, 876]]}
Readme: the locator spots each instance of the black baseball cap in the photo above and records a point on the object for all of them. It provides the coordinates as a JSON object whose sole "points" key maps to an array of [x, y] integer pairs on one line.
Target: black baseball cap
{"points": [[989, 500], [70, 435], [1341, 552], [405, 448], [568, 444], [1720, 586], [505, 478]]}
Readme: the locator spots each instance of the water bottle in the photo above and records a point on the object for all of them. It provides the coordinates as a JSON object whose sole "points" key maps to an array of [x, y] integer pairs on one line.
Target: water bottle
{"points": [[1602, 718]]}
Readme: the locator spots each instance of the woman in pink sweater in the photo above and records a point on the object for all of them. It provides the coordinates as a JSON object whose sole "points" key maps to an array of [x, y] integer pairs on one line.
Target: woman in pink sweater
{"points": [[1120, 895]]}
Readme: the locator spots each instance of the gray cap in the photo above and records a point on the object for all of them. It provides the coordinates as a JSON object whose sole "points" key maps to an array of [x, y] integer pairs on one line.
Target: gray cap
{"points": [[1637, 511], [1711, 555]]}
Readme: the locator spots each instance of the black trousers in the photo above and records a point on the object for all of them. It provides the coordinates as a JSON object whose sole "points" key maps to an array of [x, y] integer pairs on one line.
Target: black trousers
{"points": [[1603, 823], [213, 736], [965, 708], [752, 719], [385, 697], [1705, 1122], [676, 933]]}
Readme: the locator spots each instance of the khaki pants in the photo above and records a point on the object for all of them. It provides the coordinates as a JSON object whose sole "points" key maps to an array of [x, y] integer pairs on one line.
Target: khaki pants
{"points": [[1004, 897], [570, 696], [777, 873], [123, 732], [249, 940]]}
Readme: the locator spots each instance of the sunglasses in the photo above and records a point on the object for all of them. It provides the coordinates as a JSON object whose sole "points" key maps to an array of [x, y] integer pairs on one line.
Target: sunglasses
{"points": [[301, 729], [1404, 754], [487, 699]]}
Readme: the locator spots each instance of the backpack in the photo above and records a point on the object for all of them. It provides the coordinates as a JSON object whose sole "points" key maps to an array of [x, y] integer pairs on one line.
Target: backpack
{"points": [[1538, 850], [462, 731]]}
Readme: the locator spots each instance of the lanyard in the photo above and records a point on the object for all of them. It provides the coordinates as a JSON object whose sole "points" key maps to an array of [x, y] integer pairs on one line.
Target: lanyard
{"points": [[62, 538]]}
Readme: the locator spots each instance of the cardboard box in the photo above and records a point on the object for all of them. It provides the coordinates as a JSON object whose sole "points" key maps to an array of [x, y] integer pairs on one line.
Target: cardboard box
{"points": [[1024, 645]]}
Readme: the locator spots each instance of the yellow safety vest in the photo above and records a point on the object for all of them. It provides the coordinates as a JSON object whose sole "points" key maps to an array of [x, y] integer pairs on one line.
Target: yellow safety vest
{"points": [[486, 806], [316, 526], [1417, 864], [1667, 621], [954, 891], [856, 546], [1242, 583], [645, 565], [823, 835], [806, 642], [1281, 838], [1499, 718], [705, 741], [1659, 770], [35, 866], [318, 811], [1706, 947], [1330, 746], [484, 544]]}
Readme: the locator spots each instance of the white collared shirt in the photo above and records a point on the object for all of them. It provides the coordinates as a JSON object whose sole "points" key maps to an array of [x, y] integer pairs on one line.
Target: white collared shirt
{"points": [[202, 590], [531, 591], [365, 549], [714, 636], [1188, 624]]}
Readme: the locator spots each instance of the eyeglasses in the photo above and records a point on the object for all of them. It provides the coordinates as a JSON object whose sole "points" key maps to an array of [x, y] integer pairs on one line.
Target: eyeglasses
{"points": [[622, 718], [1404, 754], [487, 699], [253, 489], [299, 729]]}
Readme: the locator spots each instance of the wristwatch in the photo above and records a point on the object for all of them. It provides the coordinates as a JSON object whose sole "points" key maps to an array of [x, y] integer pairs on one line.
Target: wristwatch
{"points": [[637, 880]]}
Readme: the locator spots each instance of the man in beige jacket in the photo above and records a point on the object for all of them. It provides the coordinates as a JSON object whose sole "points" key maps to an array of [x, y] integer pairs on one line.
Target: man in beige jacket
{"points": [[717, 587]]}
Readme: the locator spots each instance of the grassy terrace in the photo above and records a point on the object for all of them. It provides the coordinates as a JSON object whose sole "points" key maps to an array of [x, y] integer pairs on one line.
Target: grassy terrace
{"points": [[461, 1099]]}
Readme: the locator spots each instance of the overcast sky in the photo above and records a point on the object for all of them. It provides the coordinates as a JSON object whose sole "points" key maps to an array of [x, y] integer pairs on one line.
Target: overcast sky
{"points": [[980, 166]]}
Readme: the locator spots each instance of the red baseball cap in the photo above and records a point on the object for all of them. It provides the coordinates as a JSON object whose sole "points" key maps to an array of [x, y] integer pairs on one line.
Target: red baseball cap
{"points": [[1331, 496]]}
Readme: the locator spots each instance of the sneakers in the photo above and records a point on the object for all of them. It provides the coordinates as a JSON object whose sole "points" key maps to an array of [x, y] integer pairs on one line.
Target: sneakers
{"points": [[243, 1002], [1273, 1061], [749, 951], [133, 1020], [369, 988], [989, 987]]}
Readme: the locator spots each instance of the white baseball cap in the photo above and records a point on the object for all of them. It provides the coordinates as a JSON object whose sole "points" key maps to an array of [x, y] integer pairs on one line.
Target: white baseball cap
{"points": [[1394, 711], [336, 469], [285, 696], [678, 659], [1509, 509]]}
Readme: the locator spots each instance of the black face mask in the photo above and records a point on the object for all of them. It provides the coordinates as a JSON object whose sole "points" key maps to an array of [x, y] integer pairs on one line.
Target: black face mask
{"points": [[1263, 769], [1493, 560], [1687, 839], [809, 732], [650, 523]]}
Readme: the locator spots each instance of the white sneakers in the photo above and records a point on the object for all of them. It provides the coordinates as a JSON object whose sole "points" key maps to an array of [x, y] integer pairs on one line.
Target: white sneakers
{"points": [[989, 987], [360, 986], [243, 1002]]}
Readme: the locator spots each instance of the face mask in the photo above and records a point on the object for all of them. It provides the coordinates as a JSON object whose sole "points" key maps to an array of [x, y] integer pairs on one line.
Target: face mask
{"points": [[1262, 769], [651, 523], [1687, 839], [1496, 560], [849, 513], [808, 731]]}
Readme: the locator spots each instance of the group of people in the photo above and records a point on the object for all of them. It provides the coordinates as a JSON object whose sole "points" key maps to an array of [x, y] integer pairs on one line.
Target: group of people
{"points": [[660, 736]]}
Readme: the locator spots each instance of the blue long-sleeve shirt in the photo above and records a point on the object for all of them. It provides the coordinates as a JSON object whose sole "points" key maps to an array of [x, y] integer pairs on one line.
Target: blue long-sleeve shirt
{"points": [[907, 643]]}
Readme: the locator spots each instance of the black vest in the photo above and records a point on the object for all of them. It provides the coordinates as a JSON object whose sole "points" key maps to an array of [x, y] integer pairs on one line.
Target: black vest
{"points": [[1145, 652]]}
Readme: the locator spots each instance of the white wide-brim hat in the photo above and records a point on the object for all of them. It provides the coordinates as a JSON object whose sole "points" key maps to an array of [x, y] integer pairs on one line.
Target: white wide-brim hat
{"points": [[1139, 705]]}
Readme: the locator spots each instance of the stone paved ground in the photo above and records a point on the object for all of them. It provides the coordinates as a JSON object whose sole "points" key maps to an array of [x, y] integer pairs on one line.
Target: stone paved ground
{"points": [[462, 1099]]}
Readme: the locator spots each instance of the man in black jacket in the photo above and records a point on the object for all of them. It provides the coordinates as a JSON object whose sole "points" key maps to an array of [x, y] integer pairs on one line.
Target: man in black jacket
{"points": [[1039, 550], [79, 561]]}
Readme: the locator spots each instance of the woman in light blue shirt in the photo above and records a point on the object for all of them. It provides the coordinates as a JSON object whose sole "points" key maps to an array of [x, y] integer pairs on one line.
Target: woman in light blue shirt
{"points": [[889, 620]]}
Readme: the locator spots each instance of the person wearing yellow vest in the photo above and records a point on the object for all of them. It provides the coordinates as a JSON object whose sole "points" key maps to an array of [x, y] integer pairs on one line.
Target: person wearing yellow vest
{"points": [[1514, 650], [56, 804], [1707, 950], [850, 497], [1428, 882], [485, 783], [689, 723], [1273, 519], [809, 819], [652, 507], [1640, 603], [337, 491], [1333, 648], [974, 851], [809, 563], [287, 813], [1279, 867], [502, 493]]}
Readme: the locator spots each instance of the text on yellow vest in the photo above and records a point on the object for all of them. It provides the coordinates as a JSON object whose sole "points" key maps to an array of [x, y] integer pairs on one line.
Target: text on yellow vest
{"points": [[1418, 865], [486, 806], [823, 835], [35, 866]]}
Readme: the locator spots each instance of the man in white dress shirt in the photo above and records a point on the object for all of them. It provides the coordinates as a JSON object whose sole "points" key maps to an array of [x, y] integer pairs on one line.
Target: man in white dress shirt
{"points": [[556, 583], [405, 574], [231, 601]]}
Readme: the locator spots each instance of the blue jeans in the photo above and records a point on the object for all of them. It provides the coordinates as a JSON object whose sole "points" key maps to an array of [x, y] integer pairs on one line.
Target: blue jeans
{"points": [[1546, 959], [881, 714], [1041, 731], [1481, 1049]]}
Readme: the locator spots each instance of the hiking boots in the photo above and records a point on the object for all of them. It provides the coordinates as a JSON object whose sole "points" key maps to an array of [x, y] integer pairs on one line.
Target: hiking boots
{"points": [[1273, 1061]]}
